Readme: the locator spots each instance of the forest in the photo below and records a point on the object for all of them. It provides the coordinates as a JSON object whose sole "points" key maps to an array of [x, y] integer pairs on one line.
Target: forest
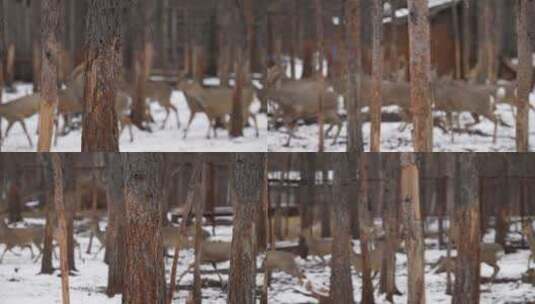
{"points": [[267, 228], [279, 75]]}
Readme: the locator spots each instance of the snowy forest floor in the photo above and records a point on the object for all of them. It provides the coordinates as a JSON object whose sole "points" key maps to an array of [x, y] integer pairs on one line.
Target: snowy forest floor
{"points": [[20, 282], [166, 140], [394, 138]]}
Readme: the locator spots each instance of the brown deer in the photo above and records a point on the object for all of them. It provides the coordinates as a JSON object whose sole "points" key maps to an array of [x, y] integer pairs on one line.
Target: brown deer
{"points": [[490, 253], [300, 99], [18, 110], [283, 261], [19, 237], [212, 252], [215, 102], [527, 228]]}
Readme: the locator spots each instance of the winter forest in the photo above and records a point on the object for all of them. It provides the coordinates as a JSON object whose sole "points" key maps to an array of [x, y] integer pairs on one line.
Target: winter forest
{"points": [[259, 75], [267, 151], [267, 228]]}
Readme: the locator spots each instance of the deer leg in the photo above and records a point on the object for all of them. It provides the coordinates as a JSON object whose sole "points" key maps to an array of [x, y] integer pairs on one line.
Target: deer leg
{"points": [[255, 121], [26, 132], [31, 250], [3, 253], [217, 272], [495, 273], [339, 129], [165, 119], [131, 132], [190, 267], [9, 126], [191, 116], [176, 114]]}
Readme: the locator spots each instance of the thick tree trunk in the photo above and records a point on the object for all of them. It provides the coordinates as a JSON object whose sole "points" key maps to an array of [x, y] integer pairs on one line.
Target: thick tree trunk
{"points": [[354, 62], [467, 36], [412, 222], [377, 76], [143, 62], [62, 221], [48, 187], [144, 269], [391, 226], [307, 202], [248, 174], [115, 232], [420, 68], [364, 226], [100, 131], [468, 221], [345, 187], [52, 25], [525, 11], [2, 58]]}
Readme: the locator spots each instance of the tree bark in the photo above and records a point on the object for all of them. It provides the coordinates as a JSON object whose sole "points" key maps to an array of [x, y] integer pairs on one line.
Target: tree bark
{"points": [[391, 226], [412, 222], [377, 75], [144, 269], [354, 61], [2, 58], [364, 226], [62, 220], [467, 270], [52, 25], [116, 230], [420, 67], [345, 187], [248, 174], [467, 36], [48, 183], [143, 61], [525, 11], [100, 131]]}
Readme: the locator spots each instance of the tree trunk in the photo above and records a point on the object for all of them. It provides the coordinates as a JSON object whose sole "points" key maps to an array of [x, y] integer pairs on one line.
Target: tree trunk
{"points": [[377, 76], [115, 232], [62, 220], [320, 39], [467, 37], [199, 209], [52, 25], [248, 173], [143, 62], [364, 226], [467, 220], [345, 187], [354, 62], [2, 58], [456, 38], [100, 131], [390, 222], [48, 187], [412, 222], [307, 202], [144, 269], [420, 67], [525, 11]]}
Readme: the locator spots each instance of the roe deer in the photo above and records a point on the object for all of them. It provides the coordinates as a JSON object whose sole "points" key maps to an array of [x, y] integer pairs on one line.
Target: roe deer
{"points": [[212, 252], [527, 228], [490, 253], [300, 99], [215, 102], [19, 237], [283, 261], [18, 110]]}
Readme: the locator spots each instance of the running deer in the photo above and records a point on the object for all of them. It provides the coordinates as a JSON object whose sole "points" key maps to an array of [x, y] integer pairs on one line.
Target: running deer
{"points": [[18, 110], [172, 236], [215, 102], [490, 253], [300, 99], [212, 252], [19, 237], [277, 260], [157, 92], [527, 228]]}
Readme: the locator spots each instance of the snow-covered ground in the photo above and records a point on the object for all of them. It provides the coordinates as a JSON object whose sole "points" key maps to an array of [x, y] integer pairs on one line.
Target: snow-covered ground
{"points": [[21, 283], [168, 140], [396, 138]]}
